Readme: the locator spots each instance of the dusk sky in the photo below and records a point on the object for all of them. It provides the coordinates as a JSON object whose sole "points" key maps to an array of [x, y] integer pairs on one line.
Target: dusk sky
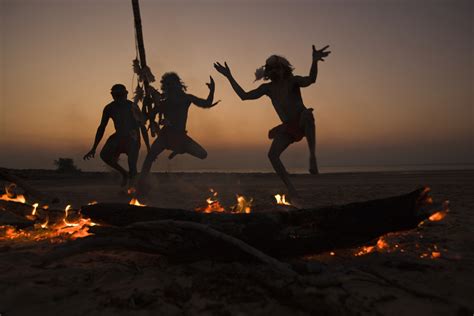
{"points": [[397, 88]]}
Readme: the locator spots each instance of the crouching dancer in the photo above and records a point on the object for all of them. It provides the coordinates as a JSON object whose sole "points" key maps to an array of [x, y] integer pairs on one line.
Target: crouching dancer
{"points": [[284, 92], [173, 105], [128, 121]]}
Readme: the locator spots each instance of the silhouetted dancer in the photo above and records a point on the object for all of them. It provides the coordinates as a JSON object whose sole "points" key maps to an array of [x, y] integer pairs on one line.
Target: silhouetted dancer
{"points": [[284, 92], [173, 104], [128, 121]]}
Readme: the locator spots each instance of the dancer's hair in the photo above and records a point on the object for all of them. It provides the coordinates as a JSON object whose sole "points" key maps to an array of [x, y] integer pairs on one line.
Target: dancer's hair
{"points": [[169, 79], [273, 62]]}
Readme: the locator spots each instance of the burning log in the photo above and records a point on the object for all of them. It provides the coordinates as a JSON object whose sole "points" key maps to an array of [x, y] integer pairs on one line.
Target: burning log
{"points": [[7, 176], [11, 219], [33, 213], [279, 234]]}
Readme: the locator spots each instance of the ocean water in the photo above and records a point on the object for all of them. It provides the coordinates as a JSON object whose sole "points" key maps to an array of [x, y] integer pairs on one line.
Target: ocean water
{"points": [[349, 169]]}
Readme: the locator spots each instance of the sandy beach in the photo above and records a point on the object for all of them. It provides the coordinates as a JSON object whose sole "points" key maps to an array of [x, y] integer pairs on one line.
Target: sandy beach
{"points": [[402, 279]]}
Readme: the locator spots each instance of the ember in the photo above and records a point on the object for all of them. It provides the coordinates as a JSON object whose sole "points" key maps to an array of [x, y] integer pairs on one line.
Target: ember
{"points": [[438, 216], [381, 244]]}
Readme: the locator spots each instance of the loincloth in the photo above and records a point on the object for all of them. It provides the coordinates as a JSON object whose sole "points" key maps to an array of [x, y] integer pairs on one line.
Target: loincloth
{"points": [[118, 144], [294, 128], [174, 140]]}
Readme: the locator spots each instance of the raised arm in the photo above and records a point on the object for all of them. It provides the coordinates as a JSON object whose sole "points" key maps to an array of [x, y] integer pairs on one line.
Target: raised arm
{"points": [[304, 81], [243, 95], [99, 134], [205, 103]]}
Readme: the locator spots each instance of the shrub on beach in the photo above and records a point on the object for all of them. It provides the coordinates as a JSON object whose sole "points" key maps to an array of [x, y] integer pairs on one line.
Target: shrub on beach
{"points": [[66, 165]]}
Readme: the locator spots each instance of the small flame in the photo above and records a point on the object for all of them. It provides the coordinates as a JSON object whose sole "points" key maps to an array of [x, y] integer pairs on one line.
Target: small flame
{"points": [[45, 224], [134, 201], [281, 199], [437, 216], [92, 203], [382, 244], [66, 210], [243, 205], [213, 204], [35, 206], [11, 196]]}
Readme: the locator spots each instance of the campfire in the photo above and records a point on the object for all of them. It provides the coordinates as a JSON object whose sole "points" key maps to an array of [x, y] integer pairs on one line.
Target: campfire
{"points": [[36, 222], [46, 224]]}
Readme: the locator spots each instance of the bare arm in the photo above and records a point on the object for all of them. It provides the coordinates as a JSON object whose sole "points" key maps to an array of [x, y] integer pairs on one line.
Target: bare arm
{"points": [[243, 95], [313, 72], [205, 103], [99, 134]]}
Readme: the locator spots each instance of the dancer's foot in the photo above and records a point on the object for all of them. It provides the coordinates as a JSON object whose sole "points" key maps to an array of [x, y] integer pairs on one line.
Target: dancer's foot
{"points": [[172, 155], [313, 165], [142, 186], [124, 182]]}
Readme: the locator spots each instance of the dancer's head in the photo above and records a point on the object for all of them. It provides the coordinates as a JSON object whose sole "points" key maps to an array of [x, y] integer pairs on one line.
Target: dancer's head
{"points": [[171, 82], [118, 91], [276, 68]]}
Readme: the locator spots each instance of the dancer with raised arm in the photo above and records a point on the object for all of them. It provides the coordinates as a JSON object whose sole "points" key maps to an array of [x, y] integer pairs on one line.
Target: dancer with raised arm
{"points": [[173, 105], [284, 92]]}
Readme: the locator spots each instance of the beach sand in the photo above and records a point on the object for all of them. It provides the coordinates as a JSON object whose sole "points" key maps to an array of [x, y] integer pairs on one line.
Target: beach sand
{"points": [[402, 279]]}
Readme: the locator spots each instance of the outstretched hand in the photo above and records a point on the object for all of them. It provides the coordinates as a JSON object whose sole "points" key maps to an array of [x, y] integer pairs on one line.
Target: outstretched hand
{"points": [[224, 70], [89, 155], [320, 54], [211, 85]]}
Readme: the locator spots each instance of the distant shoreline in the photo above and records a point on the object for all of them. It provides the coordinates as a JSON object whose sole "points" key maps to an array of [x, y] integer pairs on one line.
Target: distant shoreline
{"points": [[324, 171]]}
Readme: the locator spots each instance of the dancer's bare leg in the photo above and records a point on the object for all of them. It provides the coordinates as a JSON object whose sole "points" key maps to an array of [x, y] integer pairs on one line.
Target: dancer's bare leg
{"points": [[156, 149], [279, 144], [194, 149], [132, 161], [310, 133], [109, 156]]}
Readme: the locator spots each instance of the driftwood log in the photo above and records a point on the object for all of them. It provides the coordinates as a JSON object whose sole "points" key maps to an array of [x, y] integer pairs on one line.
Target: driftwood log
{"points": [[278, 234]]}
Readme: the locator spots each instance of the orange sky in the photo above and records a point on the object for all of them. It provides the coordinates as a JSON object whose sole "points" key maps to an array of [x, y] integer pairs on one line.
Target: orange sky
{"points": [[397, 88]]}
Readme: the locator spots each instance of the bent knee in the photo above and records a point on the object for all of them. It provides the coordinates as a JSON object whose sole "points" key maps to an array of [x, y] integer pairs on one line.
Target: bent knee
{"points": [[272, 155], [202, 154], [105, 156]]}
